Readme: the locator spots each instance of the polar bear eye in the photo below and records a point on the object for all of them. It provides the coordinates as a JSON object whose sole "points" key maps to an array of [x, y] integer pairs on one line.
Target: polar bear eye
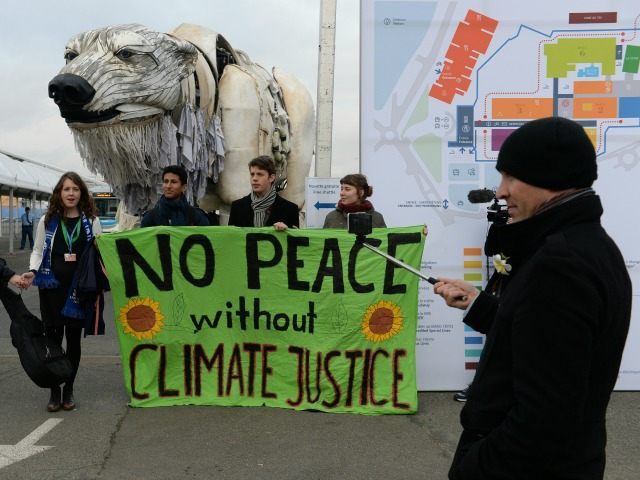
{"points": [[70, 55], [124, 54]]}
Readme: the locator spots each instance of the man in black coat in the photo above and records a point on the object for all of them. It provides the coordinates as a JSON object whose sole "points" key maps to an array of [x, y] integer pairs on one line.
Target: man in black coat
{"points": [[263, 206], [556, 317]]}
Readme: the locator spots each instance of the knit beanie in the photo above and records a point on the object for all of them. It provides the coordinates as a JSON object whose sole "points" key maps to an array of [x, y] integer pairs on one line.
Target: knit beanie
{"points": [[553, 153]]}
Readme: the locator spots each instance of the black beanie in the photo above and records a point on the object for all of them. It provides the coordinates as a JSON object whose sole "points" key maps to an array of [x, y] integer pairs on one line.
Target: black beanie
{"points": [[553, 153]]}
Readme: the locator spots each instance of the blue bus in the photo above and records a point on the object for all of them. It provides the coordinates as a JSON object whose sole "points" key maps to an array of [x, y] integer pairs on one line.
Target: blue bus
{"points": [[107, 205]]}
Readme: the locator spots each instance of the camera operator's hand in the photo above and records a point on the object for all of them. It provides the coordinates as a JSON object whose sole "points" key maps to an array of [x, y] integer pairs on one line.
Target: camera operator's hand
{"points": [[456, 293]]}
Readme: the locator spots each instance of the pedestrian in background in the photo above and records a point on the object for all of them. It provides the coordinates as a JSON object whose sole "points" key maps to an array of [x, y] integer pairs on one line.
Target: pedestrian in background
{"points": [[27, 228]]}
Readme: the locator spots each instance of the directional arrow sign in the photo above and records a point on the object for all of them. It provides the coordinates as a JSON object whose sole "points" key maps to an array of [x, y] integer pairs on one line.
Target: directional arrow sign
{"points": [[25, 448], [319, 205], [321, 194]]}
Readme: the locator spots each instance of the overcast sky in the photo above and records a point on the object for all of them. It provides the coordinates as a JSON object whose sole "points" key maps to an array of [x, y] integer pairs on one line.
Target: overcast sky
{"points": [[273, 32]]}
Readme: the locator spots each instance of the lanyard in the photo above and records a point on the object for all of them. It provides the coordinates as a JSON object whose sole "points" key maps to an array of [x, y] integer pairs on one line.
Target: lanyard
{"points": [[69, 239]]}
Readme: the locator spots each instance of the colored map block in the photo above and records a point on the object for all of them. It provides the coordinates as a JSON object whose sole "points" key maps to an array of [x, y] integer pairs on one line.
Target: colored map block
{"points": [[593, 17], [563, 56], [481, 22], [444, 94], [498, 136], [594, 107], [472, 273], [591, 87], [473, 340], [592, 133], [629, 107], [522, 107], [631, 59], [471, 38]]}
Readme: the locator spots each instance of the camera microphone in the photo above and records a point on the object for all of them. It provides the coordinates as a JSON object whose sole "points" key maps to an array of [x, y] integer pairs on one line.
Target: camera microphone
{"points": [[483, 195]]}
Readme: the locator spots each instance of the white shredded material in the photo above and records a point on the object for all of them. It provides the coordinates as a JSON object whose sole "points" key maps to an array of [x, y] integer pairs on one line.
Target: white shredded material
{"points": [[131, 156]]}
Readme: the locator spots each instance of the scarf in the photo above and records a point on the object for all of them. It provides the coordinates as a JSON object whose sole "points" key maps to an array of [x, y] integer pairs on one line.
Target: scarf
{"points": [[518, 241], [89, 284], [47, 279], [44, 276], [173, 211], [364, 206], [260, 205]]}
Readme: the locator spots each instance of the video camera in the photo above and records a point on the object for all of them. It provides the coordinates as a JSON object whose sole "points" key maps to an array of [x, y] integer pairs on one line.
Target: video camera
{"points": [[497, 212], [360, 224]]}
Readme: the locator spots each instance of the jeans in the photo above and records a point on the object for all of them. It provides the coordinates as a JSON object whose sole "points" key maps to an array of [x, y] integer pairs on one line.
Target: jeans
{"points": [[27, 231]]}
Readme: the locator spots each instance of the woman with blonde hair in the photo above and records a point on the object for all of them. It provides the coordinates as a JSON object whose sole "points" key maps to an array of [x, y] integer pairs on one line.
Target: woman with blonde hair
{"points": [[62, 236], [354, 191]]}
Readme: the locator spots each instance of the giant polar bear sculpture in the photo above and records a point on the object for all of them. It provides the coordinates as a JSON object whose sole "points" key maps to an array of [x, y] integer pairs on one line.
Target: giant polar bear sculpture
{"points": [[137, 100]]}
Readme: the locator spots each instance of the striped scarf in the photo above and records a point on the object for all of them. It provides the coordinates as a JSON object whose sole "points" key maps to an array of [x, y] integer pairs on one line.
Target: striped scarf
{"points": [[260, 205], [44, 276]]}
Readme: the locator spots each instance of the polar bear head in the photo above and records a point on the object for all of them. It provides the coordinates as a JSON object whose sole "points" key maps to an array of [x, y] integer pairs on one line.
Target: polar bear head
{"points": [[120, 73]]}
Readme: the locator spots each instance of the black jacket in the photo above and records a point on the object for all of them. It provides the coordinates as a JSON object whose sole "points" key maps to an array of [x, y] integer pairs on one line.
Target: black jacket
{"points": [[282, 210], [555, 336], [175, 213], [5, 273]]}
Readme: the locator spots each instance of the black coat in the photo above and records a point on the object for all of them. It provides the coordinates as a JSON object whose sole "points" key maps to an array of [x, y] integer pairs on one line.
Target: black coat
{"points": [[5, 273], [175, 212], [555, 336], [281, 211]]}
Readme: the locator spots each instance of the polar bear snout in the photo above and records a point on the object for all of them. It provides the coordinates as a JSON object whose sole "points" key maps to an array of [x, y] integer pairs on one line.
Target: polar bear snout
{"points": [[68, 90], [71, 93]]}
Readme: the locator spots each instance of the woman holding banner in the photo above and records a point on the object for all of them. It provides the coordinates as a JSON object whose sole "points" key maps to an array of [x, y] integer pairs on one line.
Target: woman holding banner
{"points": [[62, 236], [354, 190]]}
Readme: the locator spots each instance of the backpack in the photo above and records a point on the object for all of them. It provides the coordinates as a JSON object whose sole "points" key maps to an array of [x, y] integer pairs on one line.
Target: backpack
{"points": [[44, 361]]}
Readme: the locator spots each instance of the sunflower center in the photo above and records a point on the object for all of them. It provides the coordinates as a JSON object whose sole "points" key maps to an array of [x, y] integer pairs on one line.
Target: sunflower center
{"points": [[141, 318], [381, 321]]}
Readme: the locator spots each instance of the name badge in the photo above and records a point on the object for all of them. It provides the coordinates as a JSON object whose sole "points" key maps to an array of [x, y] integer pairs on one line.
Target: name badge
{"points": [[69, 257]]}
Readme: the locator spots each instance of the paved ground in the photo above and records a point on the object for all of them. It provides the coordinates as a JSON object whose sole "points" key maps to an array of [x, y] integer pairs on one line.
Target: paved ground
{"points": [[104, 439]]}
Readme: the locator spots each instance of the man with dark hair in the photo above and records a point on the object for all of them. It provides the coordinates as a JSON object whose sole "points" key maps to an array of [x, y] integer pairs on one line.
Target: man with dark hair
{"points": [[556, 313], [172, 208], [263, 206], [27, 228]]}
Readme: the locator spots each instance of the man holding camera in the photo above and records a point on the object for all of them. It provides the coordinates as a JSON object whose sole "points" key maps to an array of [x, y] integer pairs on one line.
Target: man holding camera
{"points": [[263, 206], [556, 313]]}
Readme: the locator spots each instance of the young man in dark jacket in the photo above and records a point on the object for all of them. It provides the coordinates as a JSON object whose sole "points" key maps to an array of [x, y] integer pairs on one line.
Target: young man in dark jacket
{"points": [[556, 331], [173, 208], [263, 206]]}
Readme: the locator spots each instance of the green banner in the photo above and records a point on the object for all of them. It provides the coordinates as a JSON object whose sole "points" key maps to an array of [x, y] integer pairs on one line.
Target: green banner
{"points": [[302, 319]]}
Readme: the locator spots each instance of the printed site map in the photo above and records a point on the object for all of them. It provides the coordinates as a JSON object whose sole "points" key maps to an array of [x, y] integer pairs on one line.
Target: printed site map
{"points": [[443, 85]]}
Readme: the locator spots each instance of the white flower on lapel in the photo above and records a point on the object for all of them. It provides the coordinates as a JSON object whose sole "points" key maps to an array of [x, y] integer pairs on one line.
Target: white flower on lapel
{"points": [[500, 264]]}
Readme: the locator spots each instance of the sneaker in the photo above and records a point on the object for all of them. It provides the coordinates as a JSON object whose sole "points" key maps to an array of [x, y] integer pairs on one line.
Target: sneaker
{"points": [[461, 396]]}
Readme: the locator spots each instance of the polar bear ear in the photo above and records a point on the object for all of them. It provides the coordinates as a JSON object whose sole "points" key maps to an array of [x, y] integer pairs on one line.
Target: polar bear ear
{"points": [[182, 47], [183, 52]]}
